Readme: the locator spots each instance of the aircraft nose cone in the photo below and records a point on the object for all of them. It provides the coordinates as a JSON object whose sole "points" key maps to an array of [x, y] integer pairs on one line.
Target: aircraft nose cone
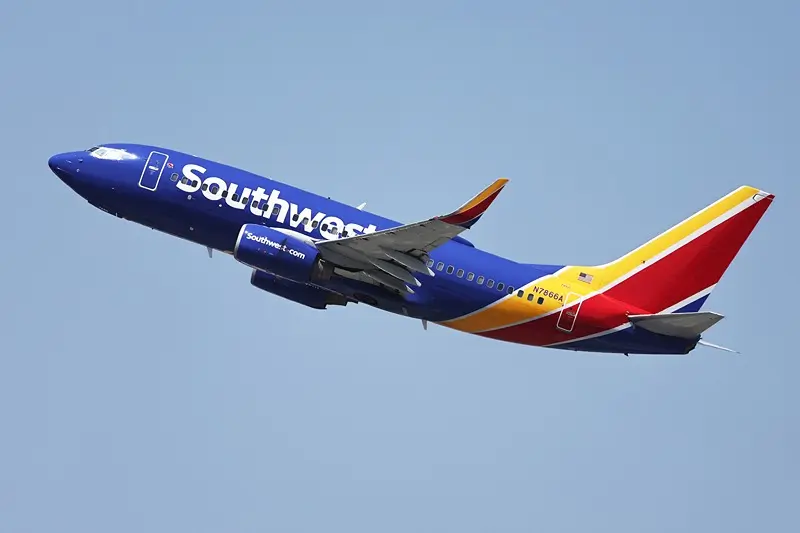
{"points": [[53, 162], [63, 167], [60, 162]]}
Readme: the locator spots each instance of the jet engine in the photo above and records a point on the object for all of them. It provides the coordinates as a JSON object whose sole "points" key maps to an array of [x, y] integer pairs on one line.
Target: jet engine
{"points": [[296, 292], [286, 256]]}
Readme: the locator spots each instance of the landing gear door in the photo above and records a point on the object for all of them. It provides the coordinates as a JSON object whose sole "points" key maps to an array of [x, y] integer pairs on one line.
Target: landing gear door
{"points": [[151, 173]]}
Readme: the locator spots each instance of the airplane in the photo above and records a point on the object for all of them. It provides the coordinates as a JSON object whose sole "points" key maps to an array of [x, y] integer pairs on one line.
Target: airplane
{"points": [[320, 252]]}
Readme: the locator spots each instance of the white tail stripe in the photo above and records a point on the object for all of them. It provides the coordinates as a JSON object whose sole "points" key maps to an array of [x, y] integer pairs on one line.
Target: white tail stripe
{"points": [[690, 299]]}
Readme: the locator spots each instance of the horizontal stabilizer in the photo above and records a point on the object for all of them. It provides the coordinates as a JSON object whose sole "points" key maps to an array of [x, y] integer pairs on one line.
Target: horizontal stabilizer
{"points": [[683, 325]]}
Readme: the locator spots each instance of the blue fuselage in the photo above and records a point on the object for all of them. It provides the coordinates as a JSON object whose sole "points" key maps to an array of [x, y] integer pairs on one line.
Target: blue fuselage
{"points": [[208, 202]]}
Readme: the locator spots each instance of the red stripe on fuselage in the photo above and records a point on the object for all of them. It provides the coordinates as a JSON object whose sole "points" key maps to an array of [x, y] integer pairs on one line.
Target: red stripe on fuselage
{"points": [[596, 314]]}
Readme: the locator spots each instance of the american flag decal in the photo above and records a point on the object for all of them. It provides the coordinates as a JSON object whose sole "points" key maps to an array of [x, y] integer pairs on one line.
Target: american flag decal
{"points": [[584, 277]]}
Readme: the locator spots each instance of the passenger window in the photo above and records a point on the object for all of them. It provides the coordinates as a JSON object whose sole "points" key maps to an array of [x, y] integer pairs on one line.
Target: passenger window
{"points": [[324, 227], [205, 187], [276, 210], [430, 263], [214, 189], [245, 200], [490, 283], [520, 293], [295, 217], [439, 266], [195, 183], [225, 193], [500, 286], [235, 196], [530, 297], [344, 233], [315, 224], [510, 289], [185, 180], [450, 269], [174, 176], [470, 276], [540, 301], [460, 273], [480, 280]]}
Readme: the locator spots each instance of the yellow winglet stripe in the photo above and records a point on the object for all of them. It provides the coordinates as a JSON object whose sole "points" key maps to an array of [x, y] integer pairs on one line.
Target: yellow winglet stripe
{"points": [[482, 196]]}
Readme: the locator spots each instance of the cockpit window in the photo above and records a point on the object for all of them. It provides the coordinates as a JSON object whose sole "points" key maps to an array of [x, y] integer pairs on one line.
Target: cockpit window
{"points": [[114, 154]]}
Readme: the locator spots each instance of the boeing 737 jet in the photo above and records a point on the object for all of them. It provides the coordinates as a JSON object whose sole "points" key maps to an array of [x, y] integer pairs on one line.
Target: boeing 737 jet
{"points": [[319, 252]]}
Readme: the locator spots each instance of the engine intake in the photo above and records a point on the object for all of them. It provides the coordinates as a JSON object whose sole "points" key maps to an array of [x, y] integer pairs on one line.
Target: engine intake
{"points": [[267, 249]]}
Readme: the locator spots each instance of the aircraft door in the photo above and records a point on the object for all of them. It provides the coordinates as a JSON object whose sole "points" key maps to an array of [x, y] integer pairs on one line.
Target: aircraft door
{"points": [[151, 173], [569, 312]]}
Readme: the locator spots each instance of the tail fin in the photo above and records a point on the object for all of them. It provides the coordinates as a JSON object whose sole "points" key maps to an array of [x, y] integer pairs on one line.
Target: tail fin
{"points": [[677, 270]]}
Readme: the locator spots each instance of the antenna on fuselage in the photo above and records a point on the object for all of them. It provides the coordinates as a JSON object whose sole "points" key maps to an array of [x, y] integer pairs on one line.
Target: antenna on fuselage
{"points": [[362, 206], [210, 249]]}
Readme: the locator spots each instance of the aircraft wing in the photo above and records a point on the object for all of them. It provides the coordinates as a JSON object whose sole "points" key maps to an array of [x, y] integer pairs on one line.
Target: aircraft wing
{"points": [[392, 256]]}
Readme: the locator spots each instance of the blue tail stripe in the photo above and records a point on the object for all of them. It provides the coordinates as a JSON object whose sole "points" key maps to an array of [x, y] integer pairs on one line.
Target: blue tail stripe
{"points": [[693, 307]]}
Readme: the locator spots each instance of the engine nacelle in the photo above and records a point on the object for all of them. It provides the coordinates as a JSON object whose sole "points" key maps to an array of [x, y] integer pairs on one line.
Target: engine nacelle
{"points": [[267, 249], [296, 292]]}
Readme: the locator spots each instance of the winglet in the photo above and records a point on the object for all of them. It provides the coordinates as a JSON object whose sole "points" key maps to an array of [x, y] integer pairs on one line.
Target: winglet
{"points": [[469, 213]]}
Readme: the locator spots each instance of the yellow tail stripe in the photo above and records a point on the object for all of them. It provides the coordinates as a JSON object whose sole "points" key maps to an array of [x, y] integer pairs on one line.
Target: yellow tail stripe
{"points": [[676, 234]]}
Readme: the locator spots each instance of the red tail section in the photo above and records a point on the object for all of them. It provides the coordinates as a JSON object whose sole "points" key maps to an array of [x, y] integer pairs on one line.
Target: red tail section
{"points": [[682, 265]]}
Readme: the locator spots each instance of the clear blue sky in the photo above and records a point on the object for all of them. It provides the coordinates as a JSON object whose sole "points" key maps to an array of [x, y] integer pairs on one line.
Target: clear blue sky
{"points": [[144, 387]]}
